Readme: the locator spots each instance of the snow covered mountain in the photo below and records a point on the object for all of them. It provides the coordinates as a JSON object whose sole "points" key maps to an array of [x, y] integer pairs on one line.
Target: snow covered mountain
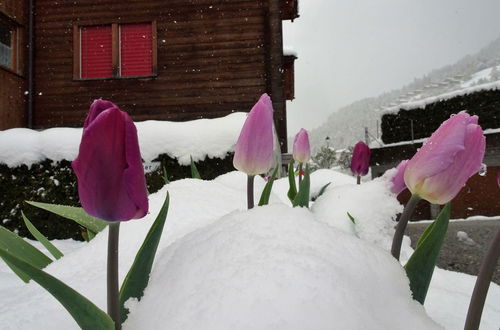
{"points": [[347, 126]]}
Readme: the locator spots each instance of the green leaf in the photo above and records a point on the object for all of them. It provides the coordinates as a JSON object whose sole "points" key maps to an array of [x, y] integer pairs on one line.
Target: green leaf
{"points": [[420, 266], [84, 312], [85, 234], [22, 250], [138, 276], [426, 233], [351, 218], [76, 214], [292, 191], [165, 175], [42, 239], [266, 192], [194, 171], [322, 190], [302, 197], [90, 235]]}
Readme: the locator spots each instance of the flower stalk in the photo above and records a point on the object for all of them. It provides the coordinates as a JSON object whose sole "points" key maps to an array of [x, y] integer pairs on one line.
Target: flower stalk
{"points": [[482, 284], [113, 287], [300, 173], [401, 226], [250, 199]]}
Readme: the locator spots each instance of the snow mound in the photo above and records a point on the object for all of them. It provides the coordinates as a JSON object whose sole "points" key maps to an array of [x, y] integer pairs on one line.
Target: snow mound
{"points": [[275, 268], [319, 179], [372, 205], [199, 139]]}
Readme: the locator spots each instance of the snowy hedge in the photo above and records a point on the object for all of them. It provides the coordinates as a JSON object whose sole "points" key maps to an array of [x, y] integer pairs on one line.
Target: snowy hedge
{"points": [[54, 182], [425, 118], [35, 165]]}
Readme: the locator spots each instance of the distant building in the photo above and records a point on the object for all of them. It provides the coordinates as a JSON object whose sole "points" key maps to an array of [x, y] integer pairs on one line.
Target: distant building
{"points": [[164, 60], [404, 131]]}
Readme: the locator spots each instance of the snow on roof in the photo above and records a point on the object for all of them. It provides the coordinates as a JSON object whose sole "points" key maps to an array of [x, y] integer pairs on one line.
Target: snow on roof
{"points": [[421, 104], [287, 50], [199, 139]]}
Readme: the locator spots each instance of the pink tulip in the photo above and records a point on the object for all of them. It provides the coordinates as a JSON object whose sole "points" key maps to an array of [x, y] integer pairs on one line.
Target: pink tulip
{"points": [[360, 162], [447, 160], [301, 147], [398, 182], [111, 182], [253, 153], [498, 179]]}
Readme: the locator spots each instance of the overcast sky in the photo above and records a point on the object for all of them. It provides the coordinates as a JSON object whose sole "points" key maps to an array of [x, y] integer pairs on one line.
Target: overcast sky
{"points": [[351, 49]]}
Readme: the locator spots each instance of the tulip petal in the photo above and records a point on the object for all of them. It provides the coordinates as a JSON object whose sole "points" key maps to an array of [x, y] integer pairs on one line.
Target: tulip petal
{"points": [[96, 108], [360, 162], [106, 173], [133, 175], [444, 186], [438, 153], [398, 183], [253, 153], [301, 147]]}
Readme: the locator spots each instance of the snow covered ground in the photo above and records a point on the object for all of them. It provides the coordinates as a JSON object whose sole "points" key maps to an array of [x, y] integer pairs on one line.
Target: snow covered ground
{"points": [[219, 266]]}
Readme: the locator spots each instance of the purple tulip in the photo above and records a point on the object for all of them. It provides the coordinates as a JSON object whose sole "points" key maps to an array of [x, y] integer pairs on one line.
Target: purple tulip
{"points": [[301, 147], [111, 182], [360, 162], [398, 181], [253, 153], [447, 160]]}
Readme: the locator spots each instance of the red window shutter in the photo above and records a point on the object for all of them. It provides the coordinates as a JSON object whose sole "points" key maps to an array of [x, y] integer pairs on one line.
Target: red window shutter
{"points": [[96, 52], [136, 50]]}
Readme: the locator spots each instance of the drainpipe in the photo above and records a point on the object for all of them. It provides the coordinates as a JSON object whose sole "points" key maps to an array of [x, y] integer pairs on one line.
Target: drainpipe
{"points": [[31, 55], [275, 68]]}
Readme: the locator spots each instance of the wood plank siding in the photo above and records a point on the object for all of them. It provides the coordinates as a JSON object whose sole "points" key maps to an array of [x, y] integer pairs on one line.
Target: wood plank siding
{"points": [[12, 80], [213, 57]]}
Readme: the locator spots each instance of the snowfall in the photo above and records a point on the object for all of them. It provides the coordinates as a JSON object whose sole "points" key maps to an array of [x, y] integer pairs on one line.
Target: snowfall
{"points": [[220, 266]]}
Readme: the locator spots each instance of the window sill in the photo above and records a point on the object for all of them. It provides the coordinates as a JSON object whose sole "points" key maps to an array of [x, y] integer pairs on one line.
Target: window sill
{"points": [[116, 78], [11, 71]]}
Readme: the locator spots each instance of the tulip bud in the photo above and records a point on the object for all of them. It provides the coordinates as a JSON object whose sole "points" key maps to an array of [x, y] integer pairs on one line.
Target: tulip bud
{"points": [[301, 147], [253, 153], [398, 182], [111, 182], [447, 160], [360, 162]]}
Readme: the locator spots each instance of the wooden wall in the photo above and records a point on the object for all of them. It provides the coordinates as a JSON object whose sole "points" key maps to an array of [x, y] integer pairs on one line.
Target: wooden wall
{"points": [[13, 82], [12, 100], [212, 60]]}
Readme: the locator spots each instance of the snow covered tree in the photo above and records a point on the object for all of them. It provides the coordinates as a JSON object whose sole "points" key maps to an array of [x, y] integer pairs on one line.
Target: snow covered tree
{"points": [[324, 158]]}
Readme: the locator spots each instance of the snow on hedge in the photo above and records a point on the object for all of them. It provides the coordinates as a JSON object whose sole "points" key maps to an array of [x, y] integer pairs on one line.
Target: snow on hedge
{"points": [[199, 138], [421, 104]]}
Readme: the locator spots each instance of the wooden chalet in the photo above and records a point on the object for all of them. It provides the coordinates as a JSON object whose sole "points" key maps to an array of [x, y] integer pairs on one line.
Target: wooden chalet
{"points": [[402, 132], [165, 60]]}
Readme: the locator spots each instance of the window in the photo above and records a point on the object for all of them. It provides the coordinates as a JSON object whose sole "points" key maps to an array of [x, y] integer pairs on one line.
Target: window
{"points": [[96, 57], [115, 51], [7, 45]]}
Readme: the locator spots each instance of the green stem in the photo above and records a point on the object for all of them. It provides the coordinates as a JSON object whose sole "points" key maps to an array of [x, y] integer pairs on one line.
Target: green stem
{"points": [[482, 284], [401, 226], [113, 299], [358, 179], [250, 202], [300, 173]]}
